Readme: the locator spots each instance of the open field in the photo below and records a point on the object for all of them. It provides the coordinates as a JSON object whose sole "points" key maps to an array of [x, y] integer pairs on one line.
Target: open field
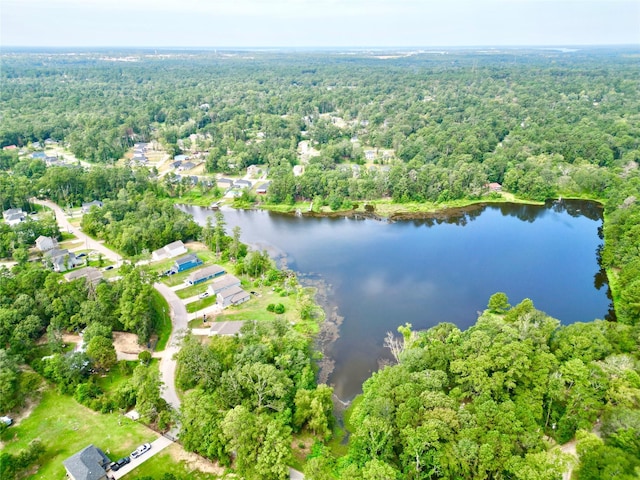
{"points": [[65, 427]]}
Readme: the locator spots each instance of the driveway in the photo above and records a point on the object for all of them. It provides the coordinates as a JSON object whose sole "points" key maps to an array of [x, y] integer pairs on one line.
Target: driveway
{"points": [[65, 226], [179, 327], [156, 447]]}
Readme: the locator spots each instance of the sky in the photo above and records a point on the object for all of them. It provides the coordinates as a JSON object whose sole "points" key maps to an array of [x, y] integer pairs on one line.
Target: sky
{"points": [[318, 23]]}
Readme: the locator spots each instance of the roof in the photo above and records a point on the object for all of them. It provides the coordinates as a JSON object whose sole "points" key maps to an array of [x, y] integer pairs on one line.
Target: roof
{"points": [[12, 211], [56, 252], [92, 274], [97, 203], [234, 293], [87, 464], [224, 283], [187, 259], [206, 272], [174, 245]]}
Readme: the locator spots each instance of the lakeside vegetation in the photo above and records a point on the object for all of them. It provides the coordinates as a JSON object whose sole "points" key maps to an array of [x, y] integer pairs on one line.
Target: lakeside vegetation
{"points": [[402, 137]]}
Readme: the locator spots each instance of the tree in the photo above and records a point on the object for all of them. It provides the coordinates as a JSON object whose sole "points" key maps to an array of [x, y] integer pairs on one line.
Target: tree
{"points": [[9, 382], [499, 303], [102, 353]]}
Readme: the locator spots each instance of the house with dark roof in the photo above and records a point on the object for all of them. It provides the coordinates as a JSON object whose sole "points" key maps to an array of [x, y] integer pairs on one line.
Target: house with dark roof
{"points": [[14, 216], [90, 463], [232, 296], [186, 262], [61, 260], [224, 182], [222, 283], [187, 166], [205, 274], [242, 184], [86, 207], [91, 274]]}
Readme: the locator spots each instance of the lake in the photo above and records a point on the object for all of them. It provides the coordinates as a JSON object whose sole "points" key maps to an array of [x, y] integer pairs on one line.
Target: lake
{"points": [[379, 275]]}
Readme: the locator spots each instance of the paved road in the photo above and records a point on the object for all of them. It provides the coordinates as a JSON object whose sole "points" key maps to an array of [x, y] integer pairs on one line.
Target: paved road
{"points": [[179, 327], [156, 447], [65, 226]]}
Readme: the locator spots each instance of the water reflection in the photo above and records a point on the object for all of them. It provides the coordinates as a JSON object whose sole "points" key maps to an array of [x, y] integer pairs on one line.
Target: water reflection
{"points": [[429, 270]]}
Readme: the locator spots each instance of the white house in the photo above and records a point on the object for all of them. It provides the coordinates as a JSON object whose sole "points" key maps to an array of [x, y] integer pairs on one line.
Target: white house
{"points": [[86, 207], [14, 216], [222, 283], [232, 296], [170, 250], [46, 243]]}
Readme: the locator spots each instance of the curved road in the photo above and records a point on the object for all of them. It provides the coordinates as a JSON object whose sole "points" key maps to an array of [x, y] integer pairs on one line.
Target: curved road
{"points": [[178, 311]]}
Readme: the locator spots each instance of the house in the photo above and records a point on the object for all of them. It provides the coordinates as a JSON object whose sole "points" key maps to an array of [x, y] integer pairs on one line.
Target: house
{"points": [[46, 243], [298, 170], [9, 147], [170, 250], [253, 170], [61, 260], [224, 182], [370, 154], [242, 184], [187, 166], [91, 274], [262, 189], [14, 216], [86, 207], [90, 463], [185, 263], [232, 296], [204, 274], [39, 155], [494, 187], [224, 282], [175, 164], [50, 141], [180, 158]]}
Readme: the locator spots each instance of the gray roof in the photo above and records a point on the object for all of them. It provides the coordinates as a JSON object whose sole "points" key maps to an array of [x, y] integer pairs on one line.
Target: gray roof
{"points": [[223, 283], [186, 259], [87, 464], [92, 275], [90, 204], [206, 272]]}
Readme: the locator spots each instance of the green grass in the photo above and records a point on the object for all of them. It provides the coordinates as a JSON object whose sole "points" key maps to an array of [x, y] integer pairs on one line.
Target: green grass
{"points": [[164, 462], [256, 308], [65, 236], [200, 304], [196, 196], [163, 326], [65, 427], [117, 376], [193, 290]]}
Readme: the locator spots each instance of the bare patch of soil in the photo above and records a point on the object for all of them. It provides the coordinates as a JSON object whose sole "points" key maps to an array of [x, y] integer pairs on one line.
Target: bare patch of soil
{"points": [[193, 461], [127, 343]]}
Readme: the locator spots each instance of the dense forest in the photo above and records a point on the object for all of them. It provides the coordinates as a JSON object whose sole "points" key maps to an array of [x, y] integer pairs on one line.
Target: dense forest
{"points": [[426, 128]]}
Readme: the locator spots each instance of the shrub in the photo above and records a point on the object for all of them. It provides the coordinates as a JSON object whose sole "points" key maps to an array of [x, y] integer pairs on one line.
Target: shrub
{"points": [[279, 309]]}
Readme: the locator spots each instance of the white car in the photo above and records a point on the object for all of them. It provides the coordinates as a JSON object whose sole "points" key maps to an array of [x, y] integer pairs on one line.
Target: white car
{"points": [[140, 450], [203, 295]]}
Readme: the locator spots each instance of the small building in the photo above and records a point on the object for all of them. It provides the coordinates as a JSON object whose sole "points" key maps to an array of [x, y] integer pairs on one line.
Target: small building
{"points": [[262, 189], [175, 164], [170, 250], [222, 283], [232, 296], [90, 463], [186, 262], [61, 260], [298, 170], [253, 170], [242, 184], [224, 182], [370, 154], [46, 243], [9, 147], [86, 207], [187, 166], [39, 155], [180, 158], [204, 274], [494, 187], [14, 216], [91, 274]]}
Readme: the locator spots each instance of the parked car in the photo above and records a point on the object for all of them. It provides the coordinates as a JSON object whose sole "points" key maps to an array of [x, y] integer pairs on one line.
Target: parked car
{"points": [[6, 420], [80, 255], [203, 295], [145, 447], [110, 267], [117, 465]]}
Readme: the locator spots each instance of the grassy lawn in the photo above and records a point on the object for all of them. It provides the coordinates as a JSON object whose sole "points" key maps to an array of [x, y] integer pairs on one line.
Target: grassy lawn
{"points": [[193, 290], [117, 376], [200, 304], [163, 327], [197, 196], [65, 427], [167, 462], [256, 308]]}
